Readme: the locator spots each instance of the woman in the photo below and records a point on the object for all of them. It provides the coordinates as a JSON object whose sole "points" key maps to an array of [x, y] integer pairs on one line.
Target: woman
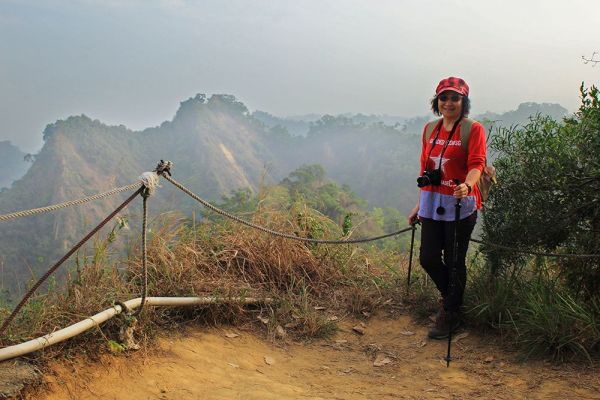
{"points": [[450, 170]]}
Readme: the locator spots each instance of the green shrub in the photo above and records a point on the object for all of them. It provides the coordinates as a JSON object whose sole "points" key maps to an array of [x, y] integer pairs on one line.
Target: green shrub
{"points": [[547, 196]]}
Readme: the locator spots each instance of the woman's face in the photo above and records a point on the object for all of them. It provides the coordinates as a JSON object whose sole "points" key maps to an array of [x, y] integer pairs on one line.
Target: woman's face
{"points": [[450, 104]]}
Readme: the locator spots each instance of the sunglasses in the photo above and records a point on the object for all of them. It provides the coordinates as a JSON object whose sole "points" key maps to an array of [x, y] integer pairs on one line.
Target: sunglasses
{"points": [[454, 98]]}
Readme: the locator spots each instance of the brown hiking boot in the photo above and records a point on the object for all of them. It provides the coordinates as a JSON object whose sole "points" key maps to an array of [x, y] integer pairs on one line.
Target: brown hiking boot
{"points": [[441, 328]]}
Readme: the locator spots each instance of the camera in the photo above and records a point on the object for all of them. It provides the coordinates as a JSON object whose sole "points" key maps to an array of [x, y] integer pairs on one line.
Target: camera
{"points": [[433, 178]]}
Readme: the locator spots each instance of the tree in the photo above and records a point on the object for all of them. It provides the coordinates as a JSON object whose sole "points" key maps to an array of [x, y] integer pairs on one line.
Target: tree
{"points": [[594, 59], [548, 193]]}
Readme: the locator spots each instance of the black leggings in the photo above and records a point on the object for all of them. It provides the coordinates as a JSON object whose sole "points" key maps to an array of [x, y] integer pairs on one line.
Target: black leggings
{"points": [[437, 238]]}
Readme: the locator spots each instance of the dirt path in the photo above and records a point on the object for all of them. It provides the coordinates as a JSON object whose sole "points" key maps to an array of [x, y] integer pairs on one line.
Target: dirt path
{"points": [[210, 365]]}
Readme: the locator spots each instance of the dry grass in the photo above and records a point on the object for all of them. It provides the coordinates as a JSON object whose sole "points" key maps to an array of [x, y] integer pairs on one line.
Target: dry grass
{"points": [[225, 260]]}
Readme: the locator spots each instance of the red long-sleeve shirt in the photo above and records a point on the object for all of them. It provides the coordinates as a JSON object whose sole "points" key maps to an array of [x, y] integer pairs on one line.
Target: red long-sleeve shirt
{"points": [[455, 165]]}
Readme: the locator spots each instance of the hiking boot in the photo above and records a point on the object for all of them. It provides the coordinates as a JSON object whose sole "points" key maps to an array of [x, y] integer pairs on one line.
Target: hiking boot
{"points": [[440, 310], [441, 328]]}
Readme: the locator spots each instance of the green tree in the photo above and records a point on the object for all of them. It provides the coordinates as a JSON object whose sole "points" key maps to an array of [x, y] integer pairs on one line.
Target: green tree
{"points": [[309, 184], [548, 193]]}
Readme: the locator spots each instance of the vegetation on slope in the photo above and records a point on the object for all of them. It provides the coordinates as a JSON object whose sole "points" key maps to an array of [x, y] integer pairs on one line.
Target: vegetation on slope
{"points": [[547, 201]]}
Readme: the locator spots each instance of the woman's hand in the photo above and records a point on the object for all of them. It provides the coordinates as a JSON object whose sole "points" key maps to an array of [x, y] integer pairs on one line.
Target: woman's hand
{"points": [[412, 216], [461, 191]]}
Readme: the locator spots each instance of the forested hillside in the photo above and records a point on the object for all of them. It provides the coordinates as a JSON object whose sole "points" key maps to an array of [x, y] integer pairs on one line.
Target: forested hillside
{"points": [[215, 146], [377, 161]]}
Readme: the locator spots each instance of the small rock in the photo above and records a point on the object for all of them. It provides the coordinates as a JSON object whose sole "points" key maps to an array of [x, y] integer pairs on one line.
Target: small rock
{"points": [[489, 359], [359, 329], [234, 365], [373, 347], [263, 320], [366, 314], [341, 341], [269, 360], [422, 343], [381, 360], [280, 332], [460, 337], [407, 333], [231, 335]]}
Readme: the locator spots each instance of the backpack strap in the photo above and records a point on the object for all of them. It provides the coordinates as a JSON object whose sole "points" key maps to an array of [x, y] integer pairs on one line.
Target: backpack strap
{"points": [[430, 128], [465, 132]]}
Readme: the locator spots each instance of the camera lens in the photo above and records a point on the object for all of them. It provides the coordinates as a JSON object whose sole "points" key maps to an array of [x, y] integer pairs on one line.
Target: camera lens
{"points": [[423, 181]]}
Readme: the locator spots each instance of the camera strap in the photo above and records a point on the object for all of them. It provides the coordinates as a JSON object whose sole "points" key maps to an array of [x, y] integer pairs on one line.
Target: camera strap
{"points": [[438, 128]]}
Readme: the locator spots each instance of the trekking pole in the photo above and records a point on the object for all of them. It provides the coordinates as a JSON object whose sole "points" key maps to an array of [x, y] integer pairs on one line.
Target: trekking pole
{"points": [[412, 245], [452, 288]]}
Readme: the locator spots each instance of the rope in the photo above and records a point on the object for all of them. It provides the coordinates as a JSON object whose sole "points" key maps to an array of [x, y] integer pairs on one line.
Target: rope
{"points": [[150, 180], [27, 213], [145, 195], [272, 232], [9, 319], [534, 253]]}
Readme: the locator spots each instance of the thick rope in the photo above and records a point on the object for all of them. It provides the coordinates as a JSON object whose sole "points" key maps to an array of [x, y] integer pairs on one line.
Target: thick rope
{"points": [[272, 232], [150, 180], [9, 319], [27, 213], [534, 253], [145, 195]]}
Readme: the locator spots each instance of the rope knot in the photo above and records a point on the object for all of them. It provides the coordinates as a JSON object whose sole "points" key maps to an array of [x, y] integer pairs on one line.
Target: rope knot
{"points": [[164, 167], [150, 182], [126, 311]]}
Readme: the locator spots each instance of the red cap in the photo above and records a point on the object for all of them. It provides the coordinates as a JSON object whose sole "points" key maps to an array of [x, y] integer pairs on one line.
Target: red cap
{"points": [[454, 84]]}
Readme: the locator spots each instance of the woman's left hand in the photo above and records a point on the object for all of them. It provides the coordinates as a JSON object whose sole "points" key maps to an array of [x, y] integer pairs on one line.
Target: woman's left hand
{"points": [[461, 191]]}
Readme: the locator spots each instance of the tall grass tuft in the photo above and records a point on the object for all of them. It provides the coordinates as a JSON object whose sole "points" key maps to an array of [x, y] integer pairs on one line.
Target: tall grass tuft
{"points": [[551, 321], [532, 309]]}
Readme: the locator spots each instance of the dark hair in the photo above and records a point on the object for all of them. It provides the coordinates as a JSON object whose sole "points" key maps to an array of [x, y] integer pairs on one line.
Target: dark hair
{"points": [[466, 106]]}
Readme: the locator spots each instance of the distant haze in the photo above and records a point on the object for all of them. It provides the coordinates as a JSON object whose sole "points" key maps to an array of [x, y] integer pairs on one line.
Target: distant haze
{"points": [[131, 62]]}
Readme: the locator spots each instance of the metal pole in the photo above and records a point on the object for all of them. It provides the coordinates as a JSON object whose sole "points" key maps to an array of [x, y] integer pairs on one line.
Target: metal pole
{"points": [[412, 245], [452, 288]]}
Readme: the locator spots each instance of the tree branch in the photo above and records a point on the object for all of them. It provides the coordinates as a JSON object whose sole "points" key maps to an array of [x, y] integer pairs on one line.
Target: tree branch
{"points": [[594, 59]]}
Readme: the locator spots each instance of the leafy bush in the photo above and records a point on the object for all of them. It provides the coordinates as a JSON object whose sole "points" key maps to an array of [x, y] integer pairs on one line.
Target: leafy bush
{"points": [[546, 200], [547, 196]]}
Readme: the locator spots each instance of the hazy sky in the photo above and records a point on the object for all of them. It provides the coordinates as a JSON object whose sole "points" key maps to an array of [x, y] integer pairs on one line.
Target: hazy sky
{"points": [[131, 62]]}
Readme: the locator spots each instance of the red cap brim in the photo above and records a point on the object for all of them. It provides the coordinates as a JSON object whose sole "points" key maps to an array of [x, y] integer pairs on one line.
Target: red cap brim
{"points": [[452, 89]]}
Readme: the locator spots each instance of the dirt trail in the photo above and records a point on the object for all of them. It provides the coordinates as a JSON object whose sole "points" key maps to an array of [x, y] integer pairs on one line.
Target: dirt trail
{"points": [[207, 364]]}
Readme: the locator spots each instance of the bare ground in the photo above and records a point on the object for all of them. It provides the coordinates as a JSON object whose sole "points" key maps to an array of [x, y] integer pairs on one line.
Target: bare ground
{"points": [[213, 364]]}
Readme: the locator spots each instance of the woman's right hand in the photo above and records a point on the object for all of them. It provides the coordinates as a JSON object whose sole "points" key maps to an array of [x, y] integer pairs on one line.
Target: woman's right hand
{"points": [[413, 217]]}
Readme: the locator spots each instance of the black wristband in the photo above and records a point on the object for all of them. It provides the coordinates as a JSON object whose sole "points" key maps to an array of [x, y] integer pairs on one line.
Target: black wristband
{"points": [[469, 188]]}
